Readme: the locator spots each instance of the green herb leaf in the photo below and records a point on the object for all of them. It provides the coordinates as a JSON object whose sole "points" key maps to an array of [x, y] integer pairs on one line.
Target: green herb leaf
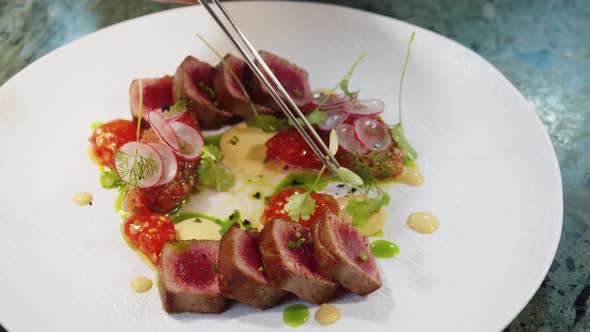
{"points": [[317, 117], [362, 210], [344, 83], [110, 179], [333, 146], [234, 140], [211, 173], [363, 256], [267, 122], [293, 244], [349, 176], [397, 133], [300, 206]]}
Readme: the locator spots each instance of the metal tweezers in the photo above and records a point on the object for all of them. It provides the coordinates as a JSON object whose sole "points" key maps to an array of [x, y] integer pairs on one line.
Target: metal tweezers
{"points": [[258, 65]]}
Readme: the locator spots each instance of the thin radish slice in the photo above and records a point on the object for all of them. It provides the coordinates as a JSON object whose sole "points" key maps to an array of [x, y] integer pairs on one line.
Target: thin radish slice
{"points": [[190, 141], [169, 163], [372, 133], [163, 129], [170, 115], [348, 141], [139, 164], [367, 107], [335, 101], [334, 118]]}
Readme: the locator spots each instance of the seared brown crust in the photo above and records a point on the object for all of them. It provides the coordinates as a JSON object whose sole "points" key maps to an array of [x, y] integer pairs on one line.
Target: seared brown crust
{"points": [[230, 98], [335, 262], [177, 298], [209, 116], [236, 280], [287, 273]]}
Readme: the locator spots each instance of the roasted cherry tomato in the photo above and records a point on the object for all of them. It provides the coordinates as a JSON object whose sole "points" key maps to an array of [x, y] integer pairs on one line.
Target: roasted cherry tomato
{"points": [[275, 205], [148, 232], [288, 146], [108, 138]]}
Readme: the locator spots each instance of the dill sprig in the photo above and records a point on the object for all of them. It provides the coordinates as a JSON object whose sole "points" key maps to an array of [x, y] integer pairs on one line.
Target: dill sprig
{"points": [[373, 166], [141, 167]]}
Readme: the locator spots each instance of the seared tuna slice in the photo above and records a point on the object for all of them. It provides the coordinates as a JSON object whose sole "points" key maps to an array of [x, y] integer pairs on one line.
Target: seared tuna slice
{"points": [[288, 257], [241, 273], [194, 81], [188, 277], [292, 78], [342, 253], [230, 95], [157, 93]]}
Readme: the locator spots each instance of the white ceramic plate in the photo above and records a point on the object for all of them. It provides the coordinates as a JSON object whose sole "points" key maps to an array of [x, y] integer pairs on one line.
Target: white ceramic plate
{"points": [[492, 176]]}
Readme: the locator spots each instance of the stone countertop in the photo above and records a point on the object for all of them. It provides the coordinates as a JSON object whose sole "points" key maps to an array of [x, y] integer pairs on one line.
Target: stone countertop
{"points": [[542, 46]]}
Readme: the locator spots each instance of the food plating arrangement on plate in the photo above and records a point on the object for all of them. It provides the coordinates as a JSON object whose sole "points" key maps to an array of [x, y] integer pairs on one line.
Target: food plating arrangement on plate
{"points": [[294, 229]]}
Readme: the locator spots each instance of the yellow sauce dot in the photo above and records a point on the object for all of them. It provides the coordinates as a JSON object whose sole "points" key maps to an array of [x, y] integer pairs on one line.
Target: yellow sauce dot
{"points": [[423, 222], [411, 176], [141, 284], [82, 198], [327, 314]]}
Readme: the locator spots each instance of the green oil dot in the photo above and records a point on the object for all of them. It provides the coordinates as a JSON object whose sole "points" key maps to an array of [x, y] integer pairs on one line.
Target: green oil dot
{"points": [[296, 315], [384, 249]]}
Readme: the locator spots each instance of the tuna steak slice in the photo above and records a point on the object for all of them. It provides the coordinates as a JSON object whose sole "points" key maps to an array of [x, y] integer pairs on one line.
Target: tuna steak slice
{"points": [[230, 95], [342, 254], [241, 275], [194, 81], [289, 261], [292, 78], [188, 279], [157, 93]]}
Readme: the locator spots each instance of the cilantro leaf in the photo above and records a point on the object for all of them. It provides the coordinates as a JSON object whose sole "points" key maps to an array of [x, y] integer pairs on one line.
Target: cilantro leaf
{"points": [[362, 210], [211, 173], [300, 206], [397, 133]]}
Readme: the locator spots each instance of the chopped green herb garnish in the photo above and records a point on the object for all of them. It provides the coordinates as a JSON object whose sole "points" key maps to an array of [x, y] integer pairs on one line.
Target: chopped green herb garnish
{"points": [[297, 93], [261, 269], [198, 220], [234, 140], [301, 241], [96, 124], [297, 234], [214, 267], [267, 122], [293, 245], [310, 241], [363, 256]]}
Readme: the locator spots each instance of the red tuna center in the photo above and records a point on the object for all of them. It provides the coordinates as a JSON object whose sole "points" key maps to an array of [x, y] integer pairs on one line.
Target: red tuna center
{"points": [[195, 270]]}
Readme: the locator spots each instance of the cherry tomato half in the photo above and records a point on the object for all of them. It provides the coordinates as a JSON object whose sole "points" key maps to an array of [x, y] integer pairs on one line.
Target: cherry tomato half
{"points": [[108, 138], [148, 232]]}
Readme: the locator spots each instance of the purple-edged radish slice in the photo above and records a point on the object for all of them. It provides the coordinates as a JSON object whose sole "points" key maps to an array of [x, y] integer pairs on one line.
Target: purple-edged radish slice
{"points": [[335, 101], [334, 118], [190, 141], [372, 133], [367, 107], [348, 140], [163, 129], [169, 163], [139, 164]]}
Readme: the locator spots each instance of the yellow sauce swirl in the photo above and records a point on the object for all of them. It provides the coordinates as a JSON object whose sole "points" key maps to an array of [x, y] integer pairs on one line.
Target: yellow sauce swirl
{"points": [[411, 176]]}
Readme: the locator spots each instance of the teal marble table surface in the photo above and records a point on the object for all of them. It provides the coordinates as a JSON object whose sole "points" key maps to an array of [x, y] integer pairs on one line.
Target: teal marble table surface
{"points": [[542, 46]]}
